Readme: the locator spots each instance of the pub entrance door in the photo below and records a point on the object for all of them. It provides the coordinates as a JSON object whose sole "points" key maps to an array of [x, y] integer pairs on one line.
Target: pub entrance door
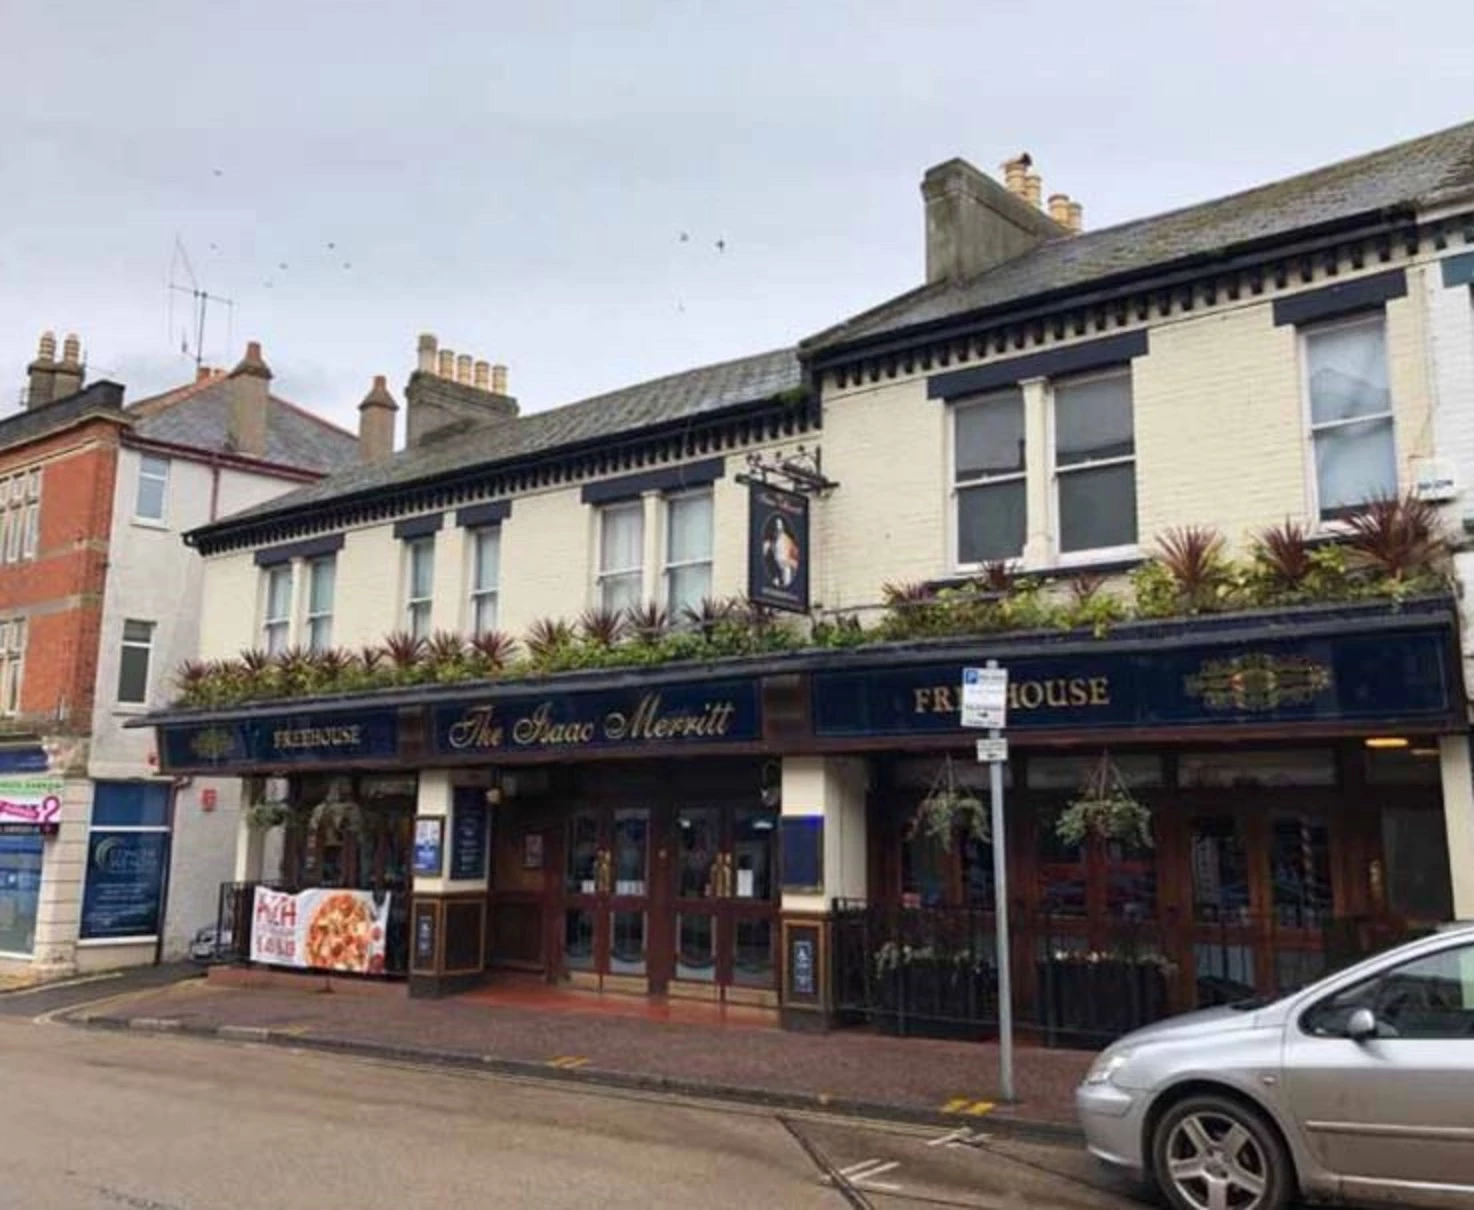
{"points": [[606, 909], [724, 902]]}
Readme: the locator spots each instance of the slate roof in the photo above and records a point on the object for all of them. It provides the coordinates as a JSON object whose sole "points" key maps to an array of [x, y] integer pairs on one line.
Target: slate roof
{"points": [[198, 416], [627, 411], [1368, 185]]}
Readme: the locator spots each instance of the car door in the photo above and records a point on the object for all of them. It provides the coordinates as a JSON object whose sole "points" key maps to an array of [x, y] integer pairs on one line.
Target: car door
{"points": [[1392, 1115]]}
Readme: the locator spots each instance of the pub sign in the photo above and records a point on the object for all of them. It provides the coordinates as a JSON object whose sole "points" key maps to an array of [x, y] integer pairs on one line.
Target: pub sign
{"points": [[778, 548]]}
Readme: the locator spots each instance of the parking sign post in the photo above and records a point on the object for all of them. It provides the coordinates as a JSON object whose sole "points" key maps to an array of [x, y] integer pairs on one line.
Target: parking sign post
{"points": [[985, 704]]}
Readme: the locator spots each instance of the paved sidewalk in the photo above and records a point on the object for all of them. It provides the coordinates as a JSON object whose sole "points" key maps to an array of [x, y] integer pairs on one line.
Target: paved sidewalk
{"points": [[599, 1039]]}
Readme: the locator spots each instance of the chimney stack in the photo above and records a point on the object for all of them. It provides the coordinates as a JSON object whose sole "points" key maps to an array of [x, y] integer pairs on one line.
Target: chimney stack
{"points": [[376, 423], [42, 373], [1059, 208], [974, 223], [249, 387], [1077, 218], [1034, 190], [69, 371], [1015, 174], [447, 394]]}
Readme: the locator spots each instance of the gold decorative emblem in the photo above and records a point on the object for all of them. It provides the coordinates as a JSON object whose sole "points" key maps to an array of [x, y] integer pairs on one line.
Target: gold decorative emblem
{"points": [[1258, 681], [213, 744]]}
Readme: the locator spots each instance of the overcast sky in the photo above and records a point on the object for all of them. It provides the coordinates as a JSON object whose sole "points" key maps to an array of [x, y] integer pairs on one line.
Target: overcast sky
{"points": [[352, 173]]}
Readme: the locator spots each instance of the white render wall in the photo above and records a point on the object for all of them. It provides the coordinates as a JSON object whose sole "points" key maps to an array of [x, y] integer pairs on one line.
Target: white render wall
{"points": [[154, 577]]}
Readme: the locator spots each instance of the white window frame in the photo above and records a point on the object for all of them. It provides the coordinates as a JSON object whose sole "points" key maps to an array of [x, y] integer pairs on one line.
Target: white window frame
{"points": [[310, 618], [668, 565], [1303, 333], [1099, 554], [31, 542], [271, 623], [162, 520], [13, 502], [13, 635], [412, 603], [147, 646], [481, 595], [955, 489], [603, 575]]}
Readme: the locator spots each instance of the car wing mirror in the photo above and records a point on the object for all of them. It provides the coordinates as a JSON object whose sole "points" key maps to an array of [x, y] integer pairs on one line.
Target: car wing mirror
{"points": [[1361, 1025]]}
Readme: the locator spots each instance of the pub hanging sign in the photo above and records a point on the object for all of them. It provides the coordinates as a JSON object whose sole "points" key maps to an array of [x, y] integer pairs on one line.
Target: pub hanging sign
{"points": [[778, 548]]}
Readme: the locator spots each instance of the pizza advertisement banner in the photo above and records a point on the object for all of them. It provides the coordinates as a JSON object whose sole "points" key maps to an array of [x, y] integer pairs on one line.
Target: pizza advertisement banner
{"points": [[326, 929]]}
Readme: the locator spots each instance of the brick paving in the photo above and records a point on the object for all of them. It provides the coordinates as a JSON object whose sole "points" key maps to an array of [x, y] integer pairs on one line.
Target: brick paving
{"points": [[688, 1047]]}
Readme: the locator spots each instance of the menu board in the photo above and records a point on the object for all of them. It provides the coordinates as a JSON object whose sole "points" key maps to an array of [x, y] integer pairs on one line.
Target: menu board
{"points": [[468, 819]]}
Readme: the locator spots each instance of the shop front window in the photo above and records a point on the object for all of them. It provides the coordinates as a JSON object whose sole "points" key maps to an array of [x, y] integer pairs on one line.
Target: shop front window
{"points": [[923, 871], [20, 891], [753, 957], [1131, 883], [754, 843], [977, 873], [1300, 869], [1220, 871], [1062, 869]]}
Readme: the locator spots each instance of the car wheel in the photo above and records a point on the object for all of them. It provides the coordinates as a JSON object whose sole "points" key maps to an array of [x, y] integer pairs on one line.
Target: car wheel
{"points": [[1212, 1153]]}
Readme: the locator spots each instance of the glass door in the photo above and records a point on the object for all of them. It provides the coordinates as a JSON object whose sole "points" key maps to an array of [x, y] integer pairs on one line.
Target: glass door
{"points": [[725, 899], [606, 916]]}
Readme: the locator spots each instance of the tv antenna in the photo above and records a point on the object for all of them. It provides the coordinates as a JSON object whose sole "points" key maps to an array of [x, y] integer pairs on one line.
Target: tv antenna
{"points": [[200, 300]]}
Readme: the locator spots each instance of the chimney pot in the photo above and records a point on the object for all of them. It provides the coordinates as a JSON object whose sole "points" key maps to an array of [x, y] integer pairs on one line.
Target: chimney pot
{"points": [[498, 380], [1059, 208], [1077, 218], [1015, 171], [482, 376], [46, 350], [1034, 189], [426, 352], [69, 372], [463, 368], [71, 350], [447, 364], [41, 373]]}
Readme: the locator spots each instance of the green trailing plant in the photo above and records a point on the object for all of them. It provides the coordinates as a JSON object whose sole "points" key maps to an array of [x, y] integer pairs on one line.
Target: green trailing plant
{"points": [[912, 610], [1105, 807], [706, 616], [1091, 605], [838, 632], [948, 810]]}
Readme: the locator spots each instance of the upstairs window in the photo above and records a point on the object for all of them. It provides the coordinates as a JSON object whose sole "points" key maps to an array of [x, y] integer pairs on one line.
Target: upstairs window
{"points": [[622, 555], [276, 625], [12, 664], [1095, 463], [153, 488], [988, 477], [486, 558], [134, 658], [20, 516], [321, 576], [1350, 414], [688, 526], [419, 554]]}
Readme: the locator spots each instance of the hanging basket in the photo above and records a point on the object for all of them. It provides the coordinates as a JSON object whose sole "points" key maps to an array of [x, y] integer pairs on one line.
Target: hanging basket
{"points": [[1105, 808], [264, 816], [947, 810]]}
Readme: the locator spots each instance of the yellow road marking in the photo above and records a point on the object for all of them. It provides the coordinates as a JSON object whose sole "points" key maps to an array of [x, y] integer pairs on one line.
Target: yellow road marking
{"points": [[567, 1062], [969, 1106]]}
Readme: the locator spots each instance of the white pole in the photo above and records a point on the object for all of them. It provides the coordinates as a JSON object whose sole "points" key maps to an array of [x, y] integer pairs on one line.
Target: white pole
{"points": [[1000, 917]]}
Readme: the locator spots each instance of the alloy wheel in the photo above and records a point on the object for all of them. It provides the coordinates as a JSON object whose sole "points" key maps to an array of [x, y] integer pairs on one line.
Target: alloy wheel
{"points": [[1214, 1162]]}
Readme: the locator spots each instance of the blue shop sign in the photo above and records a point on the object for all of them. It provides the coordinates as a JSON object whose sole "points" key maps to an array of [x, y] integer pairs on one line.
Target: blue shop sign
{"points": [[283, 739], [1346, 678], [667, 716], [124, 889]]}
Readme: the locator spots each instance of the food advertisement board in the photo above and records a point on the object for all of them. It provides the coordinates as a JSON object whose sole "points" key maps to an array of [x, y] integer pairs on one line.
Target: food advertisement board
{"points": [[325, 929]]}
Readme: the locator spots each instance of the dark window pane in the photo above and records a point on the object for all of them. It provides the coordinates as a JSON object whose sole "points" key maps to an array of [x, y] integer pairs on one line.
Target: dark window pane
{"points": [[1220, 870], [631, 829], [1097, 508], [755, 837], [990, 436], [130, 804], [578, 939], [1061, 870], [753, 957], [1131, 883], [990, 522], [1415, 848], [133, 673], [977, 872], [696, 947], [627, 943], [583, 850], [1092, 420], [696, 836], [1300, 864], [923, 871]]}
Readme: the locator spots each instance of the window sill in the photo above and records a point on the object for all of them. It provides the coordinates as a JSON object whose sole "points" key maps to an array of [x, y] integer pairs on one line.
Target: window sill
{"points": [[1101, 562], [130, 709], [148, 523]]}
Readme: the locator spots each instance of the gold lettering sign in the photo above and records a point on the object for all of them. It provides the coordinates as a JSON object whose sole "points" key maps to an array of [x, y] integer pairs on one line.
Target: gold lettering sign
{"points": [[287, 739], [648, 722], [1054, 693]]}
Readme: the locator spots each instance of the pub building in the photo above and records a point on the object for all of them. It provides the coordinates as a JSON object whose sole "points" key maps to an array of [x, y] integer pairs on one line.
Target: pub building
{"points": [[743, 828]]}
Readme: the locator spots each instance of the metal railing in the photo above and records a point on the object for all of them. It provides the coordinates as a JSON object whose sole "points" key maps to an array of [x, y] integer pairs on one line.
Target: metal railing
{"points": [[932, 971]]}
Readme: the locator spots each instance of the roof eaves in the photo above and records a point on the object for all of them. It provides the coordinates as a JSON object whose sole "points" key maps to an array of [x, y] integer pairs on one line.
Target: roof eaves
{"points": [[1094, 290]]}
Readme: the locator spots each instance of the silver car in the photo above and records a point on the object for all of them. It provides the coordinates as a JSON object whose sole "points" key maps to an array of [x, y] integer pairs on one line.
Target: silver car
{"points": [[1359, 1088]]}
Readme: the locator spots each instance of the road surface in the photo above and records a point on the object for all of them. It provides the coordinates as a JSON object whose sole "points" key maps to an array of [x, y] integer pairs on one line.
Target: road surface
{"points": [[103, 1121]]}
